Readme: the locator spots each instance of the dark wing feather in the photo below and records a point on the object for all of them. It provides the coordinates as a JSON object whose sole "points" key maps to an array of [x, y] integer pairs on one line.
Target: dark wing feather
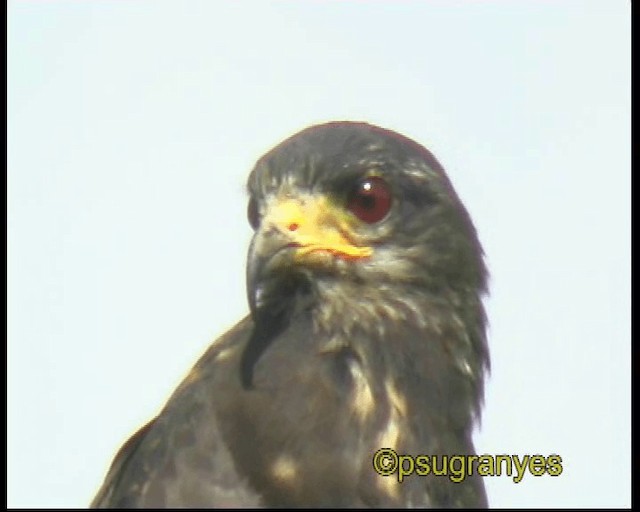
{"points": [[112, 480], [181, 459]]}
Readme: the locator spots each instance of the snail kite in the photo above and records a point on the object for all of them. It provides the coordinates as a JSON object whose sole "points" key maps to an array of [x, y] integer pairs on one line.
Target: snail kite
{"points": [[366, 331]]}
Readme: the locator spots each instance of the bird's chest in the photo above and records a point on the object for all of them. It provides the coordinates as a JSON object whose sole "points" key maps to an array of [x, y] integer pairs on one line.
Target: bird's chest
{"points": [[307, 431]]}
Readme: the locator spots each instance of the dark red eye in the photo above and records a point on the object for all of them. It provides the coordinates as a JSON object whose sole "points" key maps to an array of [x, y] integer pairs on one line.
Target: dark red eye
{"points": [[253, 214], [370, 201]]}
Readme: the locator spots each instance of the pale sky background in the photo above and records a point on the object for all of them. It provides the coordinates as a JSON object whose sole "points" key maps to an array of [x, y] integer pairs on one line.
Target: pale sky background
{"points": [[132, 126]]}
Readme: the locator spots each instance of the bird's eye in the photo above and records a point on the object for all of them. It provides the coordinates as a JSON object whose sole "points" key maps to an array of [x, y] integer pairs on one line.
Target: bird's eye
{"points": [[370, 200], [253, 213]]}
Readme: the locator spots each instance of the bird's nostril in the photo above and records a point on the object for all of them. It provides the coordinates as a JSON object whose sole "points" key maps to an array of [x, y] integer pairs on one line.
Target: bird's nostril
{"points": [[293, 226]]}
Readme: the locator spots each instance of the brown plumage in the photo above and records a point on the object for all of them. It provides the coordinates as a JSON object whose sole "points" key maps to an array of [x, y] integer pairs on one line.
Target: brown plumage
{"points": [[366, 330]]}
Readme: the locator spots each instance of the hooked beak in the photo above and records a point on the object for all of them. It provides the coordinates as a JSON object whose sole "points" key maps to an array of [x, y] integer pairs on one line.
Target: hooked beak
{"points": [[297, 234]]}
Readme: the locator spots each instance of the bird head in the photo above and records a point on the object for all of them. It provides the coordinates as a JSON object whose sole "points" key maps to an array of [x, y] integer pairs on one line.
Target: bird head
{"points": [[360, 227], [350, 205]]}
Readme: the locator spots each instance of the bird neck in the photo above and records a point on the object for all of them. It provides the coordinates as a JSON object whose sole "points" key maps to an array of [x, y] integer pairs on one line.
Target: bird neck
{"points": [[438, 340]]}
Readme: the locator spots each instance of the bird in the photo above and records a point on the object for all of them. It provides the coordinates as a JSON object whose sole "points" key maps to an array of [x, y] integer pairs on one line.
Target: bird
{"points": [[366, 330]]}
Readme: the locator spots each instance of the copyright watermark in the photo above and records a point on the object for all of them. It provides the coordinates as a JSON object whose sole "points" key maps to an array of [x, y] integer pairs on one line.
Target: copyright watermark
{"points": [[387, 462]]}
